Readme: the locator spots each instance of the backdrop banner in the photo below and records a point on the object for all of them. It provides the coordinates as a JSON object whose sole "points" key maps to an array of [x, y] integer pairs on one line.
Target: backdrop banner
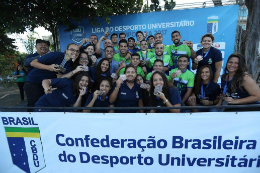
{"points": [[192, 23], [116, 143]]}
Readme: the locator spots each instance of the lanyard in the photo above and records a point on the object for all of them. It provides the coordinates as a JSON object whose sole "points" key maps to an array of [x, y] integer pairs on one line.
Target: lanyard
{"points": [[101, 99], [145, 55], [162, 58], [202, 93], [206, 52], [226, 87]]}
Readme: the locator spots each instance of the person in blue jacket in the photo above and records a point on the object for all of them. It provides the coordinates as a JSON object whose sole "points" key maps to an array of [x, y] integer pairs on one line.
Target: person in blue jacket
{"points": [[127, 93], [206, 91], [168, 97], [100, 98], [47, 67], [63, 92]]}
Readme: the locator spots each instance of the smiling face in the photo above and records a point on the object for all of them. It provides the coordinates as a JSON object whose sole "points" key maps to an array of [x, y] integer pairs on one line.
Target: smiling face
{"points": [[232, 64], [139, 80], [104, 66], [42, 48], [176, 38], [182, 63], [131, 43], [90, 50], [157, 80], [206, 42], [205, 74], [109, 52], [135, 60], [123, 48], [130, 74], [83, 59], [73, 51], [105, 86], [83, 82], [159, 49], [158, 66]]}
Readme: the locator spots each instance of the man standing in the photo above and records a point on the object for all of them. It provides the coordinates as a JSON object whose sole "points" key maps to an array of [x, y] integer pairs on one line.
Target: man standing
{"points": [[94, 39], [42, 47], [159, 40], [131, 45], [114, 39], [178, 48], [123, 54], [122, 36], [99, 51]]}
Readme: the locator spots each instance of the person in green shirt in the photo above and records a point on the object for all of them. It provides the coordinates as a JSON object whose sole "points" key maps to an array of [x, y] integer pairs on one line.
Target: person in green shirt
{"points": [[123, 54], [135, 61], [159, 40], [157, 66], [145, 55], [183, 79], [20, 75], [179, 48], [159, 49]]}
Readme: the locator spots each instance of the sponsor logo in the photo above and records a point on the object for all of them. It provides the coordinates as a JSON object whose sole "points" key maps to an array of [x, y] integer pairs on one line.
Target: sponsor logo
{"points": [[77, 35]]}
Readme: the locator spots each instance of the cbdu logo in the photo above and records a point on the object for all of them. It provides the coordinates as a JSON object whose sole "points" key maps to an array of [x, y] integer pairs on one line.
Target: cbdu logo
{"points": [[26, 148], [78, 34]]}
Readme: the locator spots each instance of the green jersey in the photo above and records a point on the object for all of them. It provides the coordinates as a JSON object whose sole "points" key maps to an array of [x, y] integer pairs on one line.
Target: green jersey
{"points": [[183, 81], [178, 50], [148, 77], [167, 61], [139, 71], [118, 58]]}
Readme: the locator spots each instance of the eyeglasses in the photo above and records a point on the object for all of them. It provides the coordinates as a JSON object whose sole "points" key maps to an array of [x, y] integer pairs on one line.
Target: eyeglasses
{"points": [[73, 50]]}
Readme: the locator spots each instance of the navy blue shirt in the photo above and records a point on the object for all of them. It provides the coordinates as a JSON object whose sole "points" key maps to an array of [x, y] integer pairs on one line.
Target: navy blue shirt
{"points": [[211, 92], [174, 98], [98, 103], [133, 50], [38, 75], [29, 59], [61, 97], [128, 97], [214, 55]]}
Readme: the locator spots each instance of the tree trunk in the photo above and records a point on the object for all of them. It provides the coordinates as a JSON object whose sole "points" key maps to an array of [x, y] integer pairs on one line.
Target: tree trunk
{"points": [[250, 40]]}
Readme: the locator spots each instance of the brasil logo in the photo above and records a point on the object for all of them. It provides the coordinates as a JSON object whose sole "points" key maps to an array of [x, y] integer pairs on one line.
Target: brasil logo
{"points": [[26, 148]]}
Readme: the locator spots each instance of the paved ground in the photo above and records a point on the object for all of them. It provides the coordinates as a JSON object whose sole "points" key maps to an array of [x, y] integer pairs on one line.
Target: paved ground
{"points": [[11, 98]]}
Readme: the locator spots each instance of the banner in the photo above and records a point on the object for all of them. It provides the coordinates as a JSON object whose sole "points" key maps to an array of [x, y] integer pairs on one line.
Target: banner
{"points": [[116, 143]]}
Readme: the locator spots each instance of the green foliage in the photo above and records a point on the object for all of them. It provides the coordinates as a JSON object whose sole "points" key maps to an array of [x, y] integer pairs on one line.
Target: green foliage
{"points": [[29, 43]]}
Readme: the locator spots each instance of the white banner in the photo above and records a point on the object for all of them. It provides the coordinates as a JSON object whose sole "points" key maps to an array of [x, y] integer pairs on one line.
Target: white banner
{"points": [[138, 143]]}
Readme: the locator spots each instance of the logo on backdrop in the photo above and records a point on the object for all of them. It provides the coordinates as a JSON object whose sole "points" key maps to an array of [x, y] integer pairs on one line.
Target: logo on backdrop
{"points": [[77, 35], [212, 24], [26, 148]]}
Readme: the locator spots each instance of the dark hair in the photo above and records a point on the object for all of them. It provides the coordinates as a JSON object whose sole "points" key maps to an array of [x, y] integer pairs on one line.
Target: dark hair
{"points": [[23, 69], [138, 33], [184, 55], [130, 65], [95, 36], [208, 35], [113, 35], [122, 41], [159, 60], [158, 34], [135, 54], [176, 32], [131, 38], [165, 88], [122, 33], [78, 77], [149, 37], [107, 79], [76, 63], [142, 41], [199, 81], [98, 70], [69, 45], [110, 47], [90, 45], [240, 73]]}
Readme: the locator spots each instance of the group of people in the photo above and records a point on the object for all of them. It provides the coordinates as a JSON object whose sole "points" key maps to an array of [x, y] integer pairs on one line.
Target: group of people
{"points": [[136, 73]]}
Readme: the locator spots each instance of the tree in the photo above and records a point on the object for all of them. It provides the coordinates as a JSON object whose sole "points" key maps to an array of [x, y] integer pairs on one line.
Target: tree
{"points": [[251, 37], [30, 42], [19, 15]]}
